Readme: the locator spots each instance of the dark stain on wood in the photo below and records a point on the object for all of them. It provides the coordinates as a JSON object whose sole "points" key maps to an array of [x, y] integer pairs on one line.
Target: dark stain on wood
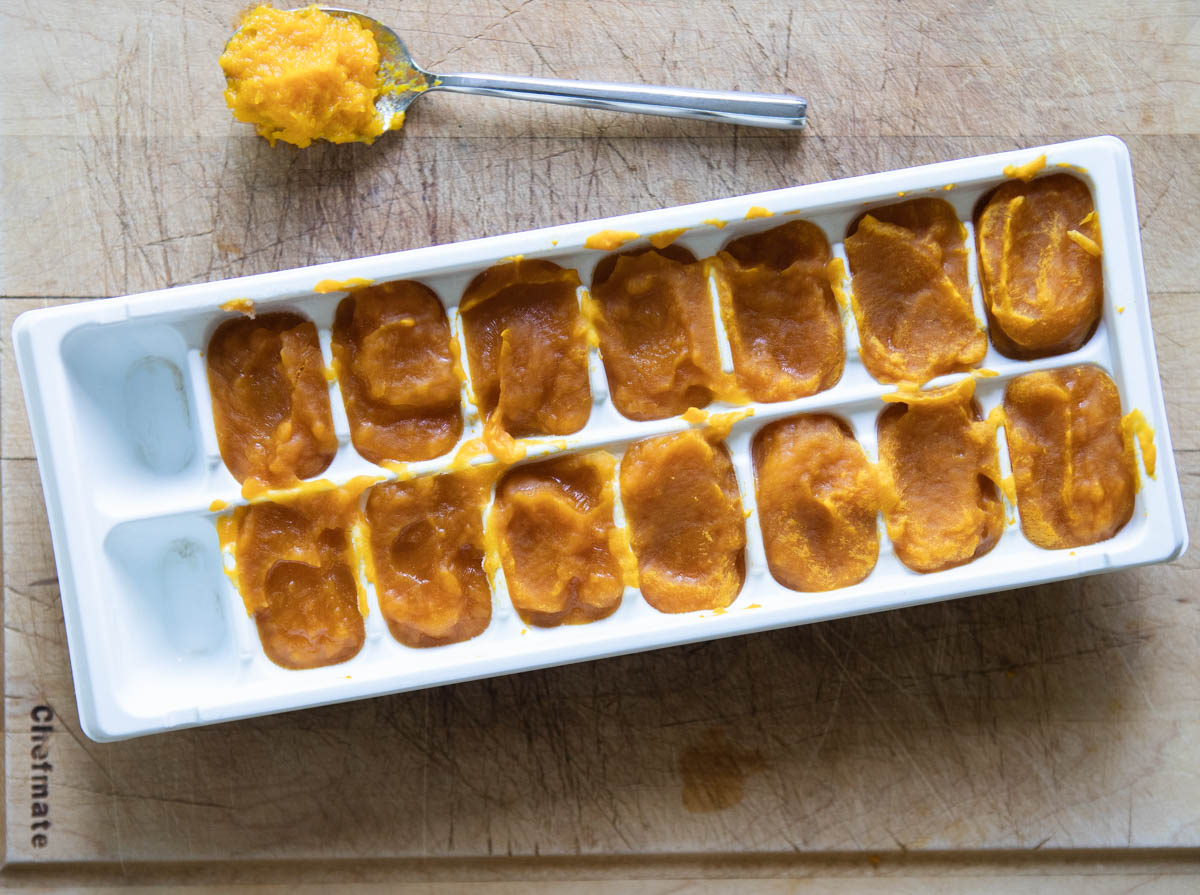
{"points": [[714, 772]]}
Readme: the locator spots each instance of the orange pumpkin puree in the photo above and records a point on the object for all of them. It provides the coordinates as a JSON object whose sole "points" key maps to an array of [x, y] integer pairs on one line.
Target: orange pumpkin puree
{"points": [[658, 338], [426, 556], [324, 287], [303, 75], [1074, 468], [392, 353], [270, 400], [686, 523], [553, 526], [1039, 265], [295, 572], [818, 499], [609, 240], [779, 309], [240, 305], [911, 297], [940, 473], [1135, 428], [526, 344], [1027, 171]]}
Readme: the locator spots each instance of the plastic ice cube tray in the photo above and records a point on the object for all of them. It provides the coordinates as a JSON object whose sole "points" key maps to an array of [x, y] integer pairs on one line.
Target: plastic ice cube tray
{"points": [[120, 410]]}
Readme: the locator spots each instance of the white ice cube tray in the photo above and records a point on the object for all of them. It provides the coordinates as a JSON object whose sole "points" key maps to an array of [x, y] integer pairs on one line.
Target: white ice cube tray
{"points": [[118, 400]]}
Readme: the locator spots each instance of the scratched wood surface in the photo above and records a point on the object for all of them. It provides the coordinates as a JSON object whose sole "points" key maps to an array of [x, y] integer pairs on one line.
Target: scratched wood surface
{"points": [[1059, 718]]}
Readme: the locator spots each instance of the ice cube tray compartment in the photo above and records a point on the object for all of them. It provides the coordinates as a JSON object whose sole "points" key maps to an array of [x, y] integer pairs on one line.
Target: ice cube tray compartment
{"points": [[160, 638]]}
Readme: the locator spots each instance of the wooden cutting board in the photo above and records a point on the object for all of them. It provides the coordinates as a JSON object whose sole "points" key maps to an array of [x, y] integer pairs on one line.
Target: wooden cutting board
{"points": [[1061, 718]]}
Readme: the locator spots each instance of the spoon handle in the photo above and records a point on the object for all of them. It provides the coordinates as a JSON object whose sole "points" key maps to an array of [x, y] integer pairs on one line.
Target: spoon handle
{"points": [[751, 109]]}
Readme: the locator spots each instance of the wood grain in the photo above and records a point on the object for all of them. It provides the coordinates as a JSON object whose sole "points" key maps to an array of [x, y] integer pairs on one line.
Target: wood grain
{"points": [[1055, 719]]}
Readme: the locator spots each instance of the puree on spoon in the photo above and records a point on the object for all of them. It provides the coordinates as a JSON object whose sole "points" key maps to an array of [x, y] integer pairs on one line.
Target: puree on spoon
{"points": [[304, 75]]}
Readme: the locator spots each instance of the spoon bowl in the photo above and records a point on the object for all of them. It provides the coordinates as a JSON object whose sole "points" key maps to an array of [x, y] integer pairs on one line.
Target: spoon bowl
{"points": [[402, 79]]}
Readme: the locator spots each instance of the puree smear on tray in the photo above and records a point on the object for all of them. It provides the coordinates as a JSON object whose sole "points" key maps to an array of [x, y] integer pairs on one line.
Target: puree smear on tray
{"points": [[395, 365], [1039, 265], [526, 345], [303, 75], [685, 521], [818, 499], [426, 556], [783, 321], [658, 338], [270, 400], [295, 572], [1073, 465], [562, 555], [912, 300], [940, 470]]}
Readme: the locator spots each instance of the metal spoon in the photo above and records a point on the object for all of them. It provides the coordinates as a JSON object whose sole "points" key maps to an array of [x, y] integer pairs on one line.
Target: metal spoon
{"points": [[404, 81]]}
